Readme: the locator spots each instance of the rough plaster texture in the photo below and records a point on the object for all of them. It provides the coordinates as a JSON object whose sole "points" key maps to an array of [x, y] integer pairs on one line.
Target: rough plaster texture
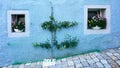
{"points": [[21, 50]]}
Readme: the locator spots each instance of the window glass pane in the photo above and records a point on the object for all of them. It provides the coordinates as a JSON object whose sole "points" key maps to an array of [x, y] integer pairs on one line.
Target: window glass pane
{"points": [[96, 19], [18, 23]]}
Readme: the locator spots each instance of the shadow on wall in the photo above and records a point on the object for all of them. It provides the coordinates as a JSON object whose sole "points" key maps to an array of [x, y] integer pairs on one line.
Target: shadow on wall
{"points": [[107, 41], [96, 44]]}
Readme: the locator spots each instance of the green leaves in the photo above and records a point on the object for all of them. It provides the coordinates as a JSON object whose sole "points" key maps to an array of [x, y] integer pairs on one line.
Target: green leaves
{"points": [[70, 42], [43, 45], [67, 24], [49, 25], [51, 18], [101, 22], [53, 26]]}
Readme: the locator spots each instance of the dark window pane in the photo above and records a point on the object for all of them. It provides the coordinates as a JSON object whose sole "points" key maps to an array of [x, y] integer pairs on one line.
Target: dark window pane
{"points": [[18, 22]]}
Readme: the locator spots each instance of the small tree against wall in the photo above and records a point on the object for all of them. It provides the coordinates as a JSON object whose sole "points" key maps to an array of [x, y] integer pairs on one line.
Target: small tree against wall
{"points": [[53, 26]]}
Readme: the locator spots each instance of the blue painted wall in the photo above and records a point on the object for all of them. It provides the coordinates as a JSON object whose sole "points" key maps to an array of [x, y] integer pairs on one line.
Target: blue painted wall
{"points": [[21, 50]]}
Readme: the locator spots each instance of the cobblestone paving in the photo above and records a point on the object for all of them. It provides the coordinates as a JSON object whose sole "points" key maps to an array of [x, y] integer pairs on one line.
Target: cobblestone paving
{"points": [[106, 59]]}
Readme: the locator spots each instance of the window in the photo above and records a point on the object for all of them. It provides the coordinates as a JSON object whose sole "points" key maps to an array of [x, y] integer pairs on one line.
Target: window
{"points": [[97, 19], [18, 23]]}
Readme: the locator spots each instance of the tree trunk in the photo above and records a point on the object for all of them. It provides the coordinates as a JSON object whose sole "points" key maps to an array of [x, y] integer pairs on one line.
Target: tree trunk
{"points": [[53, 42]]}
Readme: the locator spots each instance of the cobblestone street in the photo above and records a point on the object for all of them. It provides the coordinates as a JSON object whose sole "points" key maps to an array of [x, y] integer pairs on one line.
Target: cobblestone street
{"points": [[106, 59]]}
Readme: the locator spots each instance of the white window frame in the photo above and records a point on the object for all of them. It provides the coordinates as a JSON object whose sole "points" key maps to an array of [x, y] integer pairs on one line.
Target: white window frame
{"points": [[107, 11], [9, 18]]}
